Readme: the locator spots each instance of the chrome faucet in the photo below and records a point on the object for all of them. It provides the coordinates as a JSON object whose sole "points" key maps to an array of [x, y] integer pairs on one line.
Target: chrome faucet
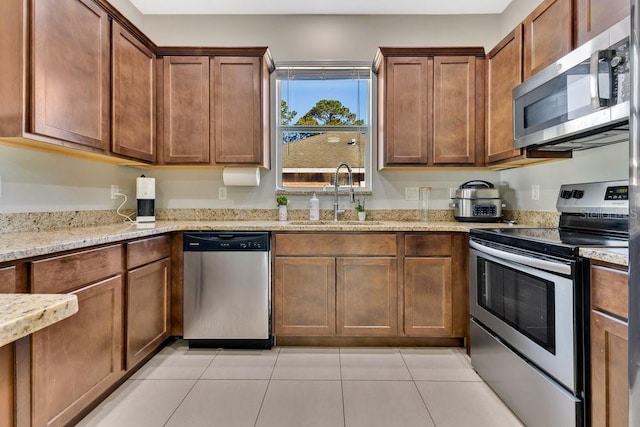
{"points": [[336, 207]]}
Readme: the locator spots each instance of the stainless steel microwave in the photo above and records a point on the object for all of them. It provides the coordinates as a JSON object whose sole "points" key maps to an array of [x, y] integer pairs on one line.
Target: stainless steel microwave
{"points": [[580, 101]]}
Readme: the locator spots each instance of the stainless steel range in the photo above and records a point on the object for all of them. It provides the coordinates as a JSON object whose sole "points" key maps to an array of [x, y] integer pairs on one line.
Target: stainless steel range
{"points": [[529, 299]]}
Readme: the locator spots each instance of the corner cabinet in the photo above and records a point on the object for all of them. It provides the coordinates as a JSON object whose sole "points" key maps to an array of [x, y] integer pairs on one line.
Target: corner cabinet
{"points": [[430, 106], [133, 96], [609, 347], [214, 109]]}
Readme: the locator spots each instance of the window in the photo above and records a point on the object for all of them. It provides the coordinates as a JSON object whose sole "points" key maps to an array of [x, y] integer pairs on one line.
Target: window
{"points": [[323, 115]]}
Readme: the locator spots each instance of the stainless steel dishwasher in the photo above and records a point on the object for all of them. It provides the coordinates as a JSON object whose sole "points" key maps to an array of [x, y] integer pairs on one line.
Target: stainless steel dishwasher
{"points": [[227, 289]]}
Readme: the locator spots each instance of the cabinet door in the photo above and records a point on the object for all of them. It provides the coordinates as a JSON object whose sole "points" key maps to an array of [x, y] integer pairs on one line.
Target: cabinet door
{"points": [[609, 370], [594, 16], [147, 310], [236, 115], [367, 302], [7, 359], [186, 110], [454, 99], [79, 358], [304, 300], [407, 110], [70, 51], [547, 35], [133, 102], [504, 72], [428, 304]]}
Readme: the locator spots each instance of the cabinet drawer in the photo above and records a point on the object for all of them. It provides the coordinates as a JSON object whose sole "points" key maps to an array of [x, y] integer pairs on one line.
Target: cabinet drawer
{"points": [[66, 272], [610, 291], [433, 244], [144, 251], [7, 280], [336, 244]]}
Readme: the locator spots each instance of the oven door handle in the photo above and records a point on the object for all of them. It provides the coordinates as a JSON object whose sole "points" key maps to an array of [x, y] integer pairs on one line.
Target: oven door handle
{"points": [[538, 263]]}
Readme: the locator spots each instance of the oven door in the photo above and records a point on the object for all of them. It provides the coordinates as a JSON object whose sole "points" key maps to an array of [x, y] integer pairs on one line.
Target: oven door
{"points": [[528, 302]]}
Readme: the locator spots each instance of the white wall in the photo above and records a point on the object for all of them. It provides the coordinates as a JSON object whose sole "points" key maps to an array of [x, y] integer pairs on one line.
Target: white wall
{"points": [[34, 181]]}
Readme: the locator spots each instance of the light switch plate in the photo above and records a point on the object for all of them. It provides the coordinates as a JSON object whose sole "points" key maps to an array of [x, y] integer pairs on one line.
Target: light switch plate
{"points": [[411, 193]]}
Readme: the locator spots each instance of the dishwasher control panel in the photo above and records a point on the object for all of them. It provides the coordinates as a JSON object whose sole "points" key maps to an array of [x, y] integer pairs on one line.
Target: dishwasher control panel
{"points": [[226, 241]]}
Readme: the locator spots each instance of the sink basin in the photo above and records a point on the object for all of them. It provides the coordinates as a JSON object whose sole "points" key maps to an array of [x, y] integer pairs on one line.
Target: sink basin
{"points": [[307, 222]]}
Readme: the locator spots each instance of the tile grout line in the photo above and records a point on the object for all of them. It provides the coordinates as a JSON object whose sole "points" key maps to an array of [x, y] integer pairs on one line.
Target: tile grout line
{"points": [[191, 388], [266, 389], [417, 389]]}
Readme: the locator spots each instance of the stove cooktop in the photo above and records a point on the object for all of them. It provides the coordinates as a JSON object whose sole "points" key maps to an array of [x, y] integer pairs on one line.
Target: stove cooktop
{"points": [[550, 240]]}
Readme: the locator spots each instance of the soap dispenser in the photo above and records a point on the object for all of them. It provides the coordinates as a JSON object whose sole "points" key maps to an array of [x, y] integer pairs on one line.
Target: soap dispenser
{"points": [[314, 208]]}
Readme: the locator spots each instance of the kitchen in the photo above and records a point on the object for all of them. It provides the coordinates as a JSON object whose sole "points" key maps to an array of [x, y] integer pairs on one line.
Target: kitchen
{"points": [[41, 182]]}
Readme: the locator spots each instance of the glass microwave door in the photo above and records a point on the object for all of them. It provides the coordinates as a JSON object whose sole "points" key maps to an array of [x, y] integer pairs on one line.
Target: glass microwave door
{"points": [[523, 301], [563, 98]]}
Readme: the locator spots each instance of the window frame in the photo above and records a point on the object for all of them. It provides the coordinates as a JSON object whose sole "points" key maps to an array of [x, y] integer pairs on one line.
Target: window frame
{"points": [[367, 129]]}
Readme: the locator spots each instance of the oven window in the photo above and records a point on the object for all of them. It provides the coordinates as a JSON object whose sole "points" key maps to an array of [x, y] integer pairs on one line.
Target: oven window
{"points": [[524, 301]]}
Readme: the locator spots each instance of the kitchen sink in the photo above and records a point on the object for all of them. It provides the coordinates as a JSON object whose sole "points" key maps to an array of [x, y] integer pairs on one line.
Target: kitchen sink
{"points": [[331, 222]]}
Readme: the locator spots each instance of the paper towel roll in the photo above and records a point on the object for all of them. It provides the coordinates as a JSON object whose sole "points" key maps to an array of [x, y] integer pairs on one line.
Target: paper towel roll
{"points": [[235, 176]]}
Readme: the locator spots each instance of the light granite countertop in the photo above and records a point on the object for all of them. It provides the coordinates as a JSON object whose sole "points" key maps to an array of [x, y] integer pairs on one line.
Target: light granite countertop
{"points": [[619, 256], [23, 314], [21, 245]]}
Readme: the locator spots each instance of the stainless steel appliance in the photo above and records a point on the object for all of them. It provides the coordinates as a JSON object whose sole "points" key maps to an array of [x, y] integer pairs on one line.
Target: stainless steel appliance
{"points": [[477, 201], [634, 222], [227, 289], [579, 102], [529, 304]]}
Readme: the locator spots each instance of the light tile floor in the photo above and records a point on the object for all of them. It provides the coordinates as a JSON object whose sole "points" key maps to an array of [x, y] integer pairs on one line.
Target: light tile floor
{"points": [[294, 386]]}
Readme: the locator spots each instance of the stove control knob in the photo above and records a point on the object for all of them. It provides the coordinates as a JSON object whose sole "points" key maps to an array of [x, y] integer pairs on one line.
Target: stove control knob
{"points": [[565, 194], [578, 194]]}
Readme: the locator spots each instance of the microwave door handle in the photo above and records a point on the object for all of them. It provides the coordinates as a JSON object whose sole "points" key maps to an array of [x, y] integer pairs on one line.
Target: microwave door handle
{"points": [[541, 264], [594, 84]]}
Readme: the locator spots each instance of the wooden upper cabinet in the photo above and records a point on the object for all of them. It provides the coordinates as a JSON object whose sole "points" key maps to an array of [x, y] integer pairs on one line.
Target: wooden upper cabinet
{"points": [[236, 110], [133, 96], [547, 35], [594, 16], [504, 72], [408, 86], [185, 108], [71, 72], [454, 110]]}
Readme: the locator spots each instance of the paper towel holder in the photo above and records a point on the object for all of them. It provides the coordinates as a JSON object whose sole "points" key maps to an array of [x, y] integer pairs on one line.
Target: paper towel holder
{"points": [[241, 176]]}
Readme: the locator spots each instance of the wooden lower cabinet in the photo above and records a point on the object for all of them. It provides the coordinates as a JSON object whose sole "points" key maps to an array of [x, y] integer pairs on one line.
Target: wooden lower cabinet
{"points": [[148, 295], [609, 347], [367, 296], [7, 388], [427, 297], [609, 370], [76, 360], [304, 300]]}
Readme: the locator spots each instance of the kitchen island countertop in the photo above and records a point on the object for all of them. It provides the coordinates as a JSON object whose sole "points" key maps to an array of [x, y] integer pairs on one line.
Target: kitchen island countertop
{"points": [[23, 314]]}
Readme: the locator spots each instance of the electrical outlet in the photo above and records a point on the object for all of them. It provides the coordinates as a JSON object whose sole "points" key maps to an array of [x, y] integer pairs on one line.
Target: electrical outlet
{"points": [[411, 193], [222, 193], [114, 190], [535, 192], [0, 186], [452, 192]]}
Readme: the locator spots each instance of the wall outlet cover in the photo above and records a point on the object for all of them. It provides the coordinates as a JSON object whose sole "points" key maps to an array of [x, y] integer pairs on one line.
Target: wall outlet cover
{"points": [[222, 193], [411, 193], [114, 190], [535, 192]]}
